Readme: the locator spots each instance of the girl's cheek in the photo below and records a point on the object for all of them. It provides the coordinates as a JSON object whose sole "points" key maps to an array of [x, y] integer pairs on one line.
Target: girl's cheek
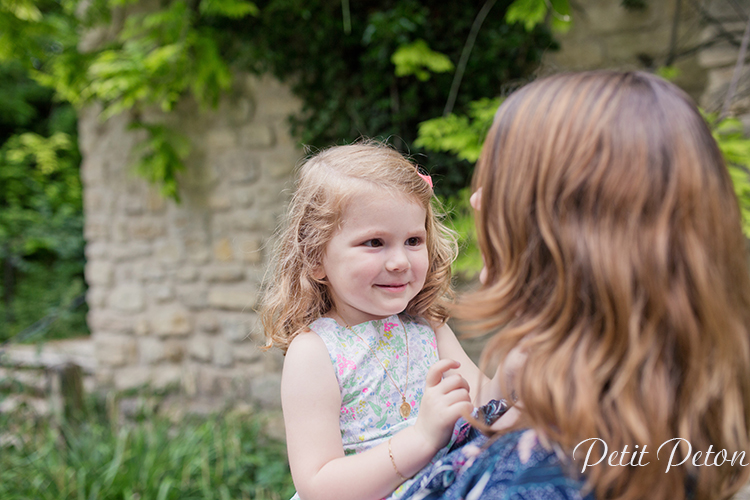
{"points": [[483, 275]]}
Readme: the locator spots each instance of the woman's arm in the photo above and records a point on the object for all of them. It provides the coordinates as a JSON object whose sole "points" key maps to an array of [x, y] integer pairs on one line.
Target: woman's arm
{"points": [[311, 401]]}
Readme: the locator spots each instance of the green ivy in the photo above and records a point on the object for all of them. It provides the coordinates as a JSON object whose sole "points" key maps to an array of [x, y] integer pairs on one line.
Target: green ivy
{"points": [[361, 69]]}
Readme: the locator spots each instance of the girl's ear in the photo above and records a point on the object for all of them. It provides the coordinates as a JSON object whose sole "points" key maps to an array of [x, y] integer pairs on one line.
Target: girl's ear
{"points": [[319, 273]]}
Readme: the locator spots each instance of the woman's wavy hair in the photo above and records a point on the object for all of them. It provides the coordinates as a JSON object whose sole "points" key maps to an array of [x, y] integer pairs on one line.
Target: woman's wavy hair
{"points": [[615, 259], [327, 183]]}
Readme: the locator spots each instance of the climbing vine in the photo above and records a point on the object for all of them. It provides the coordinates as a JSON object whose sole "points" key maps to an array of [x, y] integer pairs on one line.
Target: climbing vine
{"points": [[362, 68]]}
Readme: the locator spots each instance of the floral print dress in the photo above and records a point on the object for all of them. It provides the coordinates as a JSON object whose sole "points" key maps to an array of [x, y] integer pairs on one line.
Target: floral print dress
{"points": [[369, 399]]}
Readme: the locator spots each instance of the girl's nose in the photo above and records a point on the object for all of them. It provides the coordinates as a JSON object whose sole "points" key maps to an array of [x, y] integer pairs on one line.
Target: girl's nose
{"points": [[398, 261]]}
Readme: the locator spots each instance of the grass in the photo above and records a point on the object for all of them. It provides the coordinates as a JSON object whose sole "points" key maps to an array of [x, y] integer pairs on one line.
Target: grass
{"points": [[221, 457]]}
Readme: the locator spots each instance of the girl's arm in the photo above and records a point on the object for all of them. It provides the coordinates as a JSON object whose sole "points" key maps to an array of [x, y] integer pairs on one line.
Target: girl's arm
{"points": [[311, 401]]}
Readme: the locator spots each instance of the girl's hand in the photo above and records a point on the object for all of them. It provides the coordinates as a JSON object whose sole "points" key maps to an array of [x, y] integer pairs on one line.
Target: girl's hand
{"points": [[444, 401]]}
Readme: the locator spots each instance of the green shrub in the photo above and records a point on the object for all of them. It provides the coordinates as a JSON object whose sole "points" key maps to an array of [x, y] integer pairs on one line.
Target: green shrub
{"points": [[220, 457]]}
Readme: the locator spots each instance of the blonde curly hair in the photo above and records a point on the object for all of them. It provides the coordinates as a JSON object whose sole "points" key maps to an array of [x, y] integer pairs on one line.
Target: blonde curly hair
{"points": [[327, 183]]}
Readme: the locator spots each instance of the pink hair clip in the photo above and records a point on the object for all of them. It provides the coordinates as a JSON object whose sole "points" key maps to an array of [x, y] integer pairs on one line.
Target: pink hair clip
{"points": [[426, 178]]}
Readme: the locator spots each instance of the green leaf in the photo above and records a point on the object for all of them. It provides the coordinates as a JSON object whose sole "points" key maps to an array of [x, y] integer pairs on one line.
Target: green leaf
{"points": [[533, 12], [233, 9], [527, 12], [418, 59]]}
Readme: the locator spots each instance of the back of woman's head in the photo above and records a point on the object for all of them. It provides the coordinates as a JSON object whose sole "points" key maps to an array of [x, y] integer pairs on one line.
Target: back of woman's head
{"points": [[615, 257], [327, 182]]}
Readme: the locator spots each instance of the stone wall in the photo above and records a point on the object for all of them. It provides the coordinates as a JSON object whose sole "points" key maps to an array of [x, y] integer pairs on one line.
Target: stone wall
{"points": [[605, 34], [172, 287]]}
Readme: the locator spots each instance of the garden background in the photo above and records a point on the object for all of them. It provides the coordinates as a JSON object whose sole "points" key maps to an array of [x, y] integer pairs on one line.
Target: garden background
{"points": [[148, 150]]}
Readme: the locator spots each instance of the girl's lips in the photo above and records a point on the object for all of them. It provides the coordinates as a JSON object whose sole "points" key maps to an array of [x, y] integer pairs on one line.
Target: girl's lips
{"points": [[394, 288]]}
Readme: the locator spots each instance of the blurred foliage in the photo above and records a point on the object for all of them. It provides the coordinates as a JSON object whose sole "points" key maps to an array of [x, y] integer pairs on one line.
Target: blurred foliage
{"points": [[220, 457], [419, 60], [360, 69], [735, 147], [41, 220]]}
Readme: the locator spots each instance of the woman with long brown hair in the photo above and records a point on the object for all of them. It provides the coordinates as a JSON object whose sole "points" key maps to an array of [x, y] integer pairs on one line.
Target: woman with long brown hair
{"points": [[615, 262]]}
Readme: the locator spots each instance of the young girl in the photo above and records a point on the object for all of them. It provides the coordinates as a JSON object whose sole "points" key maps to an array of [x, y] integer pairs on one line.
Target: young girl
{"points": [[373, 379]]}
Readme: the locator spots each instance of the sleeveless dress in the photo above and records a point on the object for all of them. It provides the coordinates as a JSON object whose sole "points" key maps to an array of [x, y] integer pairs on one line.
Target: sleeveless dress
{"points": [[369, 400]]}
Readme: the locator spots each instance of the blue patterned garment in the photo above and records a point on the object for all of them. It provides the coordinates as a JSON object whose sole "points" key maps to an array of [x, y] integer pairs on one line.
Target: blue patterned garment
{"points": [[515, 466]]}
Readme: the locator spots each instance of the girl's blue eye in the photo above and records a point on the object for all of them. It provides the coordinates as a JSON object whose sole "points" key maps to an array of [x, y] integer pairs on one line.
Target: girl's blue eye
{"points": [[373, 243], [413, 242]]}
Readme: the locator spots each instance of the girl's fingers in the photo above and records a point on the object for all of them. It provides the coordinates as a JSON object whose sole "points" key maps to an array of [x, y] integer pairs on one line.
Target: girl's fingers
{"points": [[436, 371], [454, 382]]}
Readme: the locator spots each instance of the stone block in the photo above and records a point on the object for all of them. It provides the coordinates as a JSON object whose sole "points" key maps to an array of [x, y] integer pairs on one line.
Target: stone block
{"points": [[223, 273], [172, 320], [237, 166], [96, 228], [249, 249], [207, 322], [247, 352], [201, 348], [254, 220], [221, 139], [127, 298], [155, 202], [114, 350], [218, 199], [130, 250], [119, 232], [169, 252], [194, 296], [127, 273], [223, 251], [104, 376], [222, 353], [174, 350], [166, 376], [274, 193], [110, 321], [578, 55], [96, 297], [236, 328], [146, 228], [233, 298], [266, 391], [151, 350], [159, 293], [257, 136], [186, 274], [132, 377], [273, 98], [281, 164], [96, 250], [235, 109], [244, 196], [142, 327], [213, 381], [151, 271]]}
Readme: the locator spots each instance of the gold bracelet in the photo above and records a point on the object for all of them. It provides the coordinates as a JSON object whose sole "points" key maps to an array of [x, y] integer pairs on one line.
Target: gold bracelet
{"points": [[393, 462]]}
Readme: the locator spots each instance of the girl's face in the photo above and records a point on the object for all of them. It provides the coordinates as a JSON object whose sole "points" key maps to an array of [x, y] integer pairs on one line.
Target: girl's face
{"points": [[377, 261]]}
